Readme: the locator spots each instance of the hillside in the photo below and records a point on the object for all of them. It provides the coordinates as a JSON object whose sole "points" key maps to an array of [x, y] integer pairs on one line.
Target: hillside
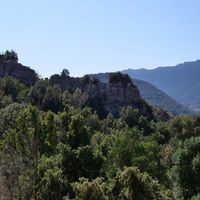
{"points": [[157, 98], [104, 97], [181, 82], [82, 138], [154, 96]]}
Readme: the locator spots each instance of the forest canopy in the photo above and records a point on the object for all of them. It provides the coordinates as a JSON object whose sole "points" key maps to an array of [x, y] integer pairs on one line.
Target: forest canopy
{"points": [[54, 146]]}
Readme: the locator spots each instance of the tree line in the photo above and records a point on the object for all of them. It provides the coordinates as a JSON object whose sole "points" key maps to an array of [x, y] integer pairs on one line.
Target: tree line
{"points": [[54, 146]]}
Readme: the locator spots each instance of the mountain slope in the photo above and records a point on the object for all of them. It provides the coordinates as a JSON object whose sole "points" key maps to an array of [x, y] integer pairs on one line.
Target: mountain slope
{"points": [[157, 98], [181, 82], [153, 96]]}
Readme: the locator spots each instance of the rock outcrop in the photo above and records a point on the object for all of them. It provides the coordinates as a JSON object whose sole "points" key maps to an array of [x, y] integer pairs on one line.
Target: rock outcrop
{"points": [[105, 97], [18, 71]]}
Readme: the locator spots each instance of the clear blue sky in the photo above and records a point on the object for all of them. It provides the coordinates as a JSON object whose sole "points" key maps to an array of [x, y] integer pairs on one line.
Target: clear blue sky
{"points": [[89, 36]]}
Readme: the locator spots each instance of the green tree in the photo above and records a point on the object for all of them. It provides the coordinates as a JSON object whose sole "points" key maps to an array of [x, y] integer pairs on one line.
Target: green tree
{"points": [[20, 153], [52, 99], [90, 190], [118, 77], [78, 98], [131, 148], [122, 150], [10, 56], [186, 169], [37, 92], [69, 161], [45, 96], [8, 117], [182, 127], [50, 131], [90, 162], [136, 185], [196, 197], [52, 183], [65, 72], [11, 90], [130, 116]]}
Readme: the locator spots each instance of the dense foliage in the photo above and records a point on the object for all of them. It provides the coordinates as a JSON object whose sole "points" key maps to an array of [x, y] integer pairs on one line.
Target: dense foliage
{"points": [[52, 146], [10, 56], [118, 77]]}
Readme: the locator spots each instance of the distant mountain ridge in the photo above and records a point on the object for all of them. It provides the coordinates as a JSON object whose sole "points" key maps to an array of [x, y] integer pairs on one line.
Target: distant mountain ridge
{"points": [[153, 96], [158, 98], [181, 82]]}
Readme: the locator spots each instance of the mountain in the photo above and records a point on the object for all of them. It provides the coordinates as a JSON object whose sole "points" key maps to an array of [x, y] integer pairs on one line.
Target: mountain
{"points": [[153, 96], [181, 82]]}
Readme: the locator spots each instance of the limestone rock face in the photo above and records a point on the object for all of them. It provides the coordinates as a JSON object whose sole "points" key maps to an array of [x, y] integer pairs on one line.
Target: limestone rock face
{"points": [[107, 97], [65, 82], [18, 71], [118, 96]]}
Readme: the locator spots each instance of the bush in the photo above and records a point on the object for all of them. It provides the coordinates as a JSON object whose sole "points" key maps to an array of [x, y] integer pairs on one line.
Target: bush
{"points": [[186, 169], [11, 56], [119, 78]]}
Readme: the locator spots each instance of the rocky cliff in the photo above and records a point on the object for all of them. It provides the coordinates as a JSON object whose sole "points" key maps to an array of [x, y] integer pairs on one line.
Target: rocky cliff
{"points": [[107, 97], [17, 70]]}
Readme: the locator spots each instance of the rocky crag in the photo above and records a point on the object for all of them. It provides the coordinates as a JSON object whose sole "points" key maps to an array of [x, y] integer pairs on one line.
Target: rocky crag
{"points": [[17, 70], [110, 97]]}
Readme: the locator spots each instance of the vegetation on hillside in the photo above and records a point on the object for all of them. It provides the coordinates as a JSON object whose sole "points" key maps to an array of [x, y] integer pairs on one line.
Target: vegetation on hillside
{"points": [[10, 56], [119, 78], [52, 146]]}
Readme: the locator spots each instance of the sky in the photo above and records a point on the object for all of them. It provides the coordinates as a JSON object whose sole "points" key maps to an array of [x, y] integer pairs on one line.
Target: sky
{"points": [[91, 36]]}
